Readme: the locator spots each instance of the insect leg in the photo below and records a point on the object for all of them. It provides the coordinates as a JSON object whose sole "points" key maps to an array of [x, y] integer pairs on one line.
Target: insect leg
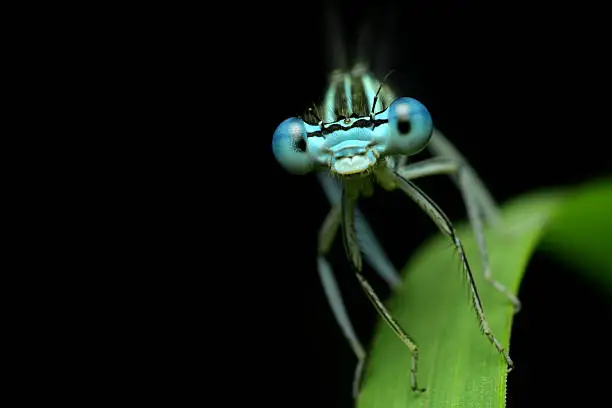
{"points": [[439, 145], [460, 173], [373, 251], [327, 234], [444, 224], [352, 249]]}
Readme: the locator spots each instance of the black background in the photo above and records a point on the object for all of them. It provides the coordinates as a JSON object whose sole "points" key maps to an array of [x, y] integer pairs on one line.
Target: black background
{"points": [[520, 88]]}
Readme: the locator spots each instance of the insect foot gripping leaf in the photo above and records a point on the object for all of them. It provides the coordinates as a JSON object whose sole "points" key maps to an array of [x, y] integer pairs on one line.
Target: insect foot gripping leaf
{"points": [[458, 366]]}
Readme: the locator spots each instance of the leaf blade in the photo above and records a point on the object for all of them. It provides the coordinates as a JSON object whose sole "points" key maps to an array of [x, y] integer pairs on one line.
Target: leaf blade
{"points": [[581, 232], [458, 366]]}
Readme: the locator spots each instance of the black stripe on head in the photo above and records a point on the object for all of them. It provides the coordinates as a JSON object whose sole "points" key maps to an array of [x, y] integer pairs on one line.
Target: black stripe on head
{"points": [[360, 105], [334, 127]]}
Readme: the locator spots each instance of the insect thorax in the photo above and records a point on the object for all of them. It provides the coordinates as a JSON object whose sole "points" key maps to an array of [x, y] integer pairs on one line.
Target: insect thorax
{"points": [[350, 94]]}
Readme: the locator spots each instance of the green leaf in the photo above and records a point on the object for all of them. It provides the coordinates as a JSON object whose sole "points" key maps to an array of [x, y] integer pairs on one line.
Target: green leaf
{"points": [[581, 232], [457, 364]]}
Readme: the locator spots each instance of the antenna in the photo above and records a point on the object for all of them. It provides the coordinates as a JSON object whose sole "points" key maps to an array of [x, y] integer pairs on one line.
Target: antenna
{"points": [[377, 92]]}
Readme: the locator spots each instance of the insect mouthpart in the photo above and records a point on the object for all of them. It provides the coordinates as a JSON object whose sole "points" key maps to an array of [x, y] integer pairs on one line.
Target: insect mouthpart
{"points": [[352, 156]]}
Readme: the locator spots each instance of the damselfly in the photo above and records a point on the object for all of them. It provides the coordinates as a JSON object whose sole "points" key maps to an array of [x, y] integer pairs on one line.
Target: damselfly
{"points": [[362, 134]]}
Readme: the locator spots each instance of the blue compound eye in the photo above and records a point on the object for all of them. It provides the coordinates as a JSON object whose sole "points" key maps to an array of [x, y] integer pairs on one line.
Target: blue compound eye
{"points": [[290, 147], [410, 126]]}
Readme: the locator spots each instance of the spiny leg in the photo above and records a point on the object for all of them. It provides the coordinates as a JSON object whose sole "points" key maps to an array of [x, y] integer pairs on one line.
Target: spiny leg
{"points": [[327, 234], [478, 201], [352, 250], [444, 224], [373, 251], [474, 215], [444, 165], [439, 145], [428, 167]]}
